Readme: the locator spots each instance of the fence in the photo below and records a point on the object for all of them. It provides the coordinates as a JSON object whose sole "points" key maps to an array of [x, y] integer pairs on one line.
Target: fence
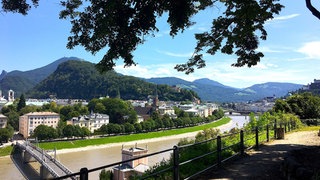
{"points": [[223, 148]]}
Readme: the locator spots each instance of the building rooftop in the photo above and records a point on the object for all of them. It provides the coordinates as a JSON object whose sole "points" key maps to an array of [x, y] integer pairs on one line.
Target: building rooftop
{"points": [[42, 114]]}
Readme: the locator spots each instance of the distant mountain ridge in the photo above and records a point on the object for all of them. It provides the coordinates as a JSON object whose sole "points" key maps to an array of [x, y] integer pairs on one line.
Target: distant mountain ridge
{"points": [[207, 89], [22, 81], [210, 90]]}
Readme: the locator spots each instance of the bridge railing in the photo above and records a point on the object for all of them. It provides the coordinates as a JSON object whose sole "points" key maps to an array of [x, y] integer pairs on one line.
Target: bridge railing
{"points": [[25, 146], [46, 155], [222, 151], [41, 155]]}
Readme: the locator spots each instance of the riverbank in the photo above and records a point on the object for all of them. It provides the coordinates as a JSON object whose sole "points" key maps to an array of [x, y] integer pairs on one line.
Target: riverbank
{"points": [[58, 145], [87, 144], [142, 141]]}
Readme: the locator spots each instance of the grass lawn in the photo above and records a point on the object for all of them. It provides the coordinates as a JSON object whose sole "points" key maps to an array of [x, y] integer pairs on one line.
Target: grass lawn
{"points": [[308, 128], [131, 137], [4, 151]]}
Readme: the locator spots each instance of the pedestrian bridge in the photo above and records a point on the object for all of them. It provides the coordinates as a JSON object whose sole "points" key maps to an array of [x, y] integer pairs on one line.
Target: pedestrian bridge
{"points": [[50, 167]]}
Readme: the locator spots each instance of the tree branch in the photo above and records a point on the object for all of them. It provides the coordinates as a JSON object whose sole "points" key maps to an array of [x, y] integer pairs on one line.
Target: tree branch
{"points": [[313, 10]]}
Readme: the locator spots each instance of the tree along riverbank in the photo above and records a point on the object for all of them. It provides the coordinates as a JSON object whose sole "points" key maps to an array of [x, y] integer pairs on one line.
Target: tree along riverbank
{"points": [[70, 144]]}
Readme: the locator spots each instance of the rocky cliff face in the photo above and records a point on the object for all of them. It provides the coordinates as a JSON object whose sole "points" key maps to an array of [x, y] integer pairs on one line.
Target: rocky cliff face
{"points": [[3, 74]]}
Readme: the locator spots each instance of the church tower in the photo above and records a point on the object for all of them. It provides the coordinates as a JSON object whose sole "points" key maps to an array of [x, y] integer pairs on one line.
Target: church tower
{"points": [[10, 95], [155, 103]]}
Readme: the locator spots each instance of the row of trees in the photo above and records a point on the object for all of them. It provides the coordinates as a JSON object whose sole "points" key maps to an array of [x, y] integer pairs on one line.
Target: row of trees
{"points": [[157, 122], [43, 132]]}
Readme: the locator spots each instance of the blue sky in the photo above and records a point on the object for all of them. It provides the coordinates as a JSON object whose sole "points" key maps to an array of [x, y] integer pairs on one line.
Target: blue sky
{"points": [[292, 49]]}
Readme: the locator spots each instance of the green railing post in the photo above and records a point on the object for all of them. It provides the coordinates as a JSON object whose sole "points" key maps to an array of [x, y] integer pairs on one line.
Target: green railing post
{"points": [[257, 137], [84, 175], [268, 133], [241, 143], [219, 158], [175, 163]]}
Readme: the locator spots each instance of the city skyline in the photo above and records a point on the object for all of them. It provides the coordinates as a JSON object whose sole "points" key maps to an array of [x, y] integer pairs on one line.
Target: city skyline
{"points": [[291, 49]]}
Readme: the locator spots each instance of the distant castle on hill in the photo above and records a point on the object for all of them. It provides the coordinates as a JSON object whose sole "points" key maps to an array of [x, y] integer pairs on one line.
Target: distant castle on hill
{"points": [[313, 87]]}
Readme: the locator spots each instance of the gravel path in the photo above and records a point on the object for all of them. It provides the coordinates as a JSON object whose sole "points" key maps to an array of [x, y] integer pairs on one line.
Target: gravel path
{"points": [[265, 163]]}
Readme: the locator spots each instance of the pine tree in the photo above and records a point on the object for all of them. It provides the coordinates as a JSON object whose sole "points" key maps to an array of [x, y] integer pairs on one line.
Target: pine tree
{"points": [[21, 103]]}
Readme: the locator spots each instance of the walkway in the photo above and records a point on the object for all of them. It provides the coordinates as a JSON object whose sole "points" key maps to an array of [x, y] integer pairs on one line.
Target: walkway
{"points": [[52, 165], [265, 162]]}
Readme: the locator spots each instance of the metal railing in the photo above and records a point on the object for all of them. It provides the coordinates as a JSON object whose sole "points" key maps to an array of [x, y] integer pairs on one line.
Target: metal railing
{"points": [[39, 154], [247, 139]]}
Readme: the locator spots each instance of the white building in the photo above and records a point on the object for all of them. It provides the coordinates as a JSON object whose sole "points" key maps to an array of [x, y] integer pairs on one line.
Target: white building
{"points": [[199, 110], [135, 167], [28, 122], [92, 121], [166, 110], [10, 95]]}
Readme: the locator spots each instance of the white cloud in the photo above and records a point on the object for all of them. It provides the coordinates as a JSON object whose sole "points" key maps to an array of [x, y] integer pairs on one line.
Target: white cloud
{"points": [[202, 29], [311, 49], [184, 55], [266, 49], [286, 17], [281, 18]]}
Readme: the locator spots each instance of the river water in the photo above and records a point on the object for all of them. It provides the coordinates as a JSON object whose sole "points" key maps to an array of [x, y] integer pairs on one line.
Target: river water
{"points": [[100, 157]]}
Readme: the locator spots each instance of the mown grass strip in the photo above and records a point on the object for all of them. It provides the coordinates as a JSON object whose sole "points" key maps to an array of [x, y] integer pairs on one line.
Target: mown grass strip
{"points": [[307, 128], [128, 138]]}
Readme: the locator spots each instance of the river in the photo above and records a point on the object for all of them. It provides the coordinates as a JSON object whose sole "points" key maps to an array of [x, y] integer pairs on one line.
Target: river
{"points": [[102, 156]]}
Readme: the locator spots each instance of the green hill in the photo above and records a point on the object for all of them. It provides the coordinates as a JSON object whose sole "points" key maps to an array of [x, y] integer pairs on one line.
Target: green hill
{"points": [[22, 81], [81, 80]]}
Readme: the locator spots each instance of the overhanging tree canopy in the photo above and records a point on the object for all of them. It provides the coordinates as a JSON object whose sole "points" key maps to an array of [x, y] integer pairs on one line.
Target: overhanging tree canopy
{"points": [[122, 24]]}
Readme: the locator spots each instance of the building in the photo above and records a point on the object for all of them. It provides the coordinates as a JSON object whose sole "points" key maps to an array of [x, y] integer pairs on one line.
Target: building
{"points": [[92, 121], [3, 121], [166, 110], [199, 110], [138, 166], [10, 95], [28, 122], [144, 112], [313, 87]]}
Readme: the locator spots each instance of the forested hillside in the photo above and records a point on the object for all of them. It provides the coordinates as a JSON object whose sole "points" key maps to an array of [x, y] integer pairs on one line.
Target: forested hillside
{"points": [[22, 81], [80, 79]]}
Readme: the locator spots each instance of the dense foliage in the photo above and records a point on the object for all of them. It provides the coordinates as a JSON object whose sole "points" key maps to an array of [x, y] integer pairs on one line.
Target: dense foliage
{"points": [[18, 84], [81, 80], [157, 122], [6, 134], [305, 105], [119, 111]]}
